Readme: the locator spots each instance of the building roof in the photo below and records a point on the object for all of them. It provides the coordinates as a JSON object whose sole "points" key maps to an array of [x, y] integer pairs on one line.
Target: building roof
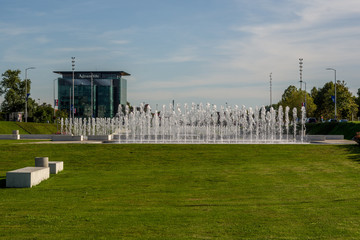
{"points": [[121, 73]]}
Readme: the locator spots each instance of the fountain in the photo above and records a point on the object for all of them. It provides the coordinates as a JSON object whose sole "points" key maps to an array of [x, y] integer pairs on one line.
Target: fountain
{"points": [[197, 123]]}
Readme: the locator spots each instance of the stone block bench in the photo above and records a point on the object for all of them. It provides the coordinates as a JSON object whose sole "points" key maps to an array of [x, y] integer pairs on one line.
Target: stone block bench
{"points": [[56, 167], [66, 138], [31, 176], [26, 177], [100, 137], [311, 138]]}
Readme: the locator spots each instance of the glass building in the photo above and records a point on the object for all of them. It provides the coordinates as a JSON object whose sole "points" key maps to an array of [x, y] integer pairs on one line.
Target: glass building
{"points": [[96, 93]]}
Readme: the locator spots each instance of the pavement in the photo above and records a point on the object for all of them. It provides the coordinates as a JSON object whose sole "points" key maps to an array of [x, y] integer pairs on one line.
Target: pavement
{"points": [[335, 142]]}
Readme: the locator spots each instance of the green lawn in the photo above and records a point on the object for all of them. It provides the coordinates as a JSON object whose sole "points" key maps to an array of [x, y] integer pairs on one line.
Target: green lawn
{"points": [[6, 127], [9, 127], [184, 192], [39, 128]]}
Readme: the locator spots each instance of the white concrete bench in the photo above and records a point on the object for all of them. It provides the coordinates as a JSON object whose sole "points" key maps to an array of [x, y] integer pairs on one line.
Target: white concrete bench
{"points": [[100, 137], [66, 138], [56, 167], [311, 138], [26, 177]]}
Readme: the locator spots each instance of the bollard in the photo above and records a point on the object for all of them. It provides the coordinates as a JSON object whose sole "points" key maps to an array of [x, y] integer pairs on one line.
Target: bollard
{"points": [[15, 132], [41, 162]]}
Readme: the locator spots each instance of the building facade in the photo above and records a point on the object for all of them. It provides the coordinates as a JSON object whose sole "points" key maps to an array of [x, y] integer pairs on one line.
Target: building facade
{"points": [[96, 93]]}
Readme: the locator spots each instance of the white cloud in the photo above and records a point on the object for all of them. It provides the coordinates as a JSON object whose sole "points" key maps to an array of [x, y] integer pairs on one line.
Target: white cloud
{"points": [[42, 40], [275, 46], [120, 42], [80, 49], [7, 30], [322, 11]]}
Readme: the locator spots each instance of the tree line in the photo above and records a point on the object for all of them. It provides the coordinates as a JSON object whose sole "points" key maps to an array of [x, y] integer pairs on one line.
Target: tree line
{"points": [[13, 89], [320, 102]]}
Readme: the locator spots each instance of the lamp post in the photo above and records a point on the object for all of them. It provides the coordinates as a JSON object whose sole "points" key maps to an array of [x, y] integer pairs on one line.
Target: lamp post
{"points": [[54, 98], [92, 96], [26, 91], [305, 95], [73, 83], [335, 87], [270, 89]]}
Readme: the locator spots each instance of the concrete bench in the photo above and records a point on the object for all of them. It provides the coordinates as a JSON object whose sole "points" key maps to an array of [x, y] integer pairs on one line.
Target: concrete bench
{"points": [[312, 138], [334, 137], [56, 167], [100, 137], [26, 177], [9, 137], [67, 138], [36, 136]]}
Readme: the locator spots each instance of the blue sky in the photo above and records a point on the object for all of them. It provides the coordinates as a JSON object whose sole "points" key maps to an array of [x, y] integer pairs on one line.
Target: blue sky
{"points": [[216, 51]]}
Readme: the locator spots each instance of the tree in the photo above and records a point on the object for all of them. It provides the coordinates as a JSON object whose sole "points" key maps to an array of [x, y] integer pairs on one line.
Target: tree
{"points": [[14, 90], [314, 92], [294, 98], [325, 106], [357, 101], [345, 101], [62, 113], [43, 113]]}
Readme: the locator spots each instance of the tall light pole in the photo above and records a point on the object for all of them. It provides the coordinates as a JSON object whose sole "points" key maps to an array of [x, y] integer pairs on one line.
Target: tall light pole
{"points": [[300, 66], [305, 95], [335, 87], [73, 83], [26, 91], [54, 98], [270, 89], [92, 96]]}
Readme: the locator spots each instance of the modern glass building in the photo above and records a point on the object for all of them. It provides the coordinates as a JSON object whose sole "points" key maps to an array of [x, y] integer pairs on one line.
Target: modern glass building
{"points": [[96, 93]]}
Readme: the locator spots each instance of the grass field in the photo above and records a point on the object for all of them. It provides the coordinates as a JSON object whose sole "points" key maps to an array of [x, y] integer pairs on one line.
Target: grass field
{"points": [[184, 192], [6, 127]]}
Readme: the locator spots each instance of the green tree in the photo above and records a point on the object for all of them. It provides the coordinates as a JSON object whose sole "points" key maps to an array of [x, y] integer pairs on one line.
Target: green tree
{"points": [[43, 113], [31, 108], [345, 101], [323, 101], [62, 114], [13, 90], [294, 98], [357, 101], [314, 92]]}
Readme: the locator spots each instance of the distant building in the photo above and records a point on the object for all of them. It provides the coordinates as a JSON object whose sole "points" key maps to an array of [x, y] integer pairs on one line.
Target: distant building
{"points": [[97, 93]]}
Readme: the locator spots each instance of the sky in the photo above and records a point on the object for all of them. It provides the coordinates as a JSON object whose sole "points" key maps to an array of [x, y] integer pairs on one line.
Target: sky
{"points": [[190, 51]]}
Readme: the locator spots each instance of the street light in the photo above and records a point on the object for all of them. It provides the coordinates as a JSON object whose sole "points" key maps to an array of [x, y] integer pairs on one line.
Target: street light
{"points": [[73, 92], [305, 95], [270, 89], [54, 98], [335, 87], [26, 91]]}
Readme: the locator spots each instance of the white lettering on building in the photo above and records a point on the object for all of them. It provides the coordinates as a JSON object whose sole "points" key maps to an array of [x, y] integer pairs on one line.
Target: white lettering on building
{"points": [[89, 75]]}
